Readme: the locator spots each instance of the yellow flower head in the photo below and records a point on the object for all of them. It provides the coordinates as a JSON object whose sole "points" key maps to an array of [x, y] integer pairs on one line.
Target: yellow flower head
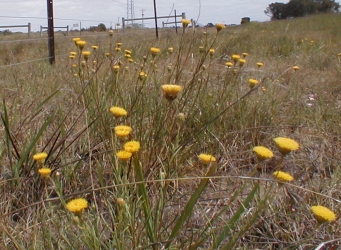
{"points": [[219, 26], [118, 111], [117, 49], [185, 22], [206, 158], [263, 153], [132, 146], [245, 54], [282, 176], [171, 91], [118, 44], [77, 206], [235, 58], [295, 68], [122, 131], [252, 82], [286, 145], [111, 32], [229, 64], [259, 64], [107, 54], [40, 157], [142, 75], [44, 172], [72, 53], [86, 54], [81, 44], [211, 51], [76, 39], [323, 214], [170, 50], [124, 155], [94, 47], [201, 49], [128, 52], [71, 57], [130, 60], [154, 51], [116, 68], [241, 62]]}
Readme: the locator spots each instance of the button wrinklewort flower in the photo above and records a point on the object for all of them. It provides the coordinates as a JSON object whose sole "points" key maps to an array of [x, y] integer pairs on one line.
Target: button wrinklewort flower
{"points": [[253, 82], [185, 22], [154, 51], [323, 214], [118, 111], [44, 172], [40, 157], [206, 158], [263, 153], [77, 206], [122, 131], [283, 176], [259, 64], [132, 146], [229, 64], [295, 68], [286, 145], [171, 91], [123, 155], [245, 54], [219, 26], [81, 44], [235, 58]]}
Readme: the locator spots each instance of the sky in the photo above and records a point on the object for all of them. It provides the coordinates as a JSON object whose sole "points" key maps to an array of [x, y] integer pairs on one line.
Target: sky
{"points": [[92, 12]]}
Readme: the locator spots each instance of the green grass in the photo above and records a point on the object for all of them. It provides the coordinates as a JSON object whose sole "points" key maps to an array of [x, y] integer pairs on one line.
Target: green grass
{"points": [[170, 199]]}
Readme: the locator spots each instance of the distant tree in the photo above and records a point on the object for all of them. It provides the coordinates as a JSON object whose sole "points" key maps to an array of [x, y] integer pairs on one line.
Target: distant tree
{"points": [[299, 8], [102, 27]]}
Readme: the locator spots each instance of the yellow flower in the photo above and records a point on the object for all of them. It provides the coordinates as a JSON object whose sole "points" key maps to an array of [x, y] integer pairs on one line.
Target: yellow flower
{"points": [[245, 54], [171, 91], [339, 54], [77, 206], [241, 62], [122, 131], [118, 111], [71, 56], [259, 64], [229, 64], [111, 32], [44, 172], [86, 54], [142, 75], [286, 145], [211, 51], [81, 44], [235, 58], [282, 176], [116, 68], [40, 157], [76, 39], [206, 158], [154, 51], [127, 52], [170, 50], [124, 155], [132, 146], [120, 201], [130, 60], [263, 153], [295, 68], [118, 44], [219, 26], [252, 82], [94, 47], [323, 214], [107, 54], [185, 22], [73, 53], [201, 49]]}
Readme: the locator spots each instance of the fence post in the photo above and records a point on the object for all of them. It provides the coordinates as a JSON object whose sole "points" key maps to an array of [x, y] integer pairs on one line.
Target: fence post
{"points": [[176, 25], [183, 15], [29, 30], [67, 30], [50, 31], [123, 25], [41, 31]]}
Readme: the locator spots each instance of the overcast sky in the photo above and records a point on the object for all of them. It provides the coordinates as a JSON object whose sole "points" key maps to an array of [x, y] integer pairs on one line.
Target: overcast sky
{"points": [[109, 12]]}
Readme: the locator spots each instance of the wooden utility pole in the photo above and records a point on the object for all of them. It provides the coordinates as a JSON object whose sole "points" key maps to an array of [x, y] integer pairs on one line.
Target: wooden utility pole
{"points": [[155, 16], [176, 25], [50, 31]]}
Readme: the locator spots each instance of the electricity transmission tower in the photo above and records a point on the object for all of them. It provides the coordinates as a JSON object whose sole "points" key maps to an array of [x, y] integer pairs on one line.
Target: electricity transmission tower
{"points": [[130, 10]]}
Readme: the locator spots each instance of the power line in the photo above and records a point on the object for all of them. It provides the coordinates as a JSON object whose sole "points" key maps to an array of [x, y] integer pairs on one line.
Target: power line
{"points": [[56, 18]]}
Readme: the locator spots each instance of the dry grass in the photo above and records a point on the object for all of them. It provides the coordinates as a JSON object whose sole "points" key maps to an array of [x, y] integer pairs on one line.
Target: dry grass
{"points": [[50, 109]]}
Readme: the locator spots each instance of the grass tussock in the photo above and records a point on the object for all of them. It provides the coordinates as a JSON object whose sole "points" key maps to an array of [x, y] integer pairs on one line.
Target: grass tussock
{"points": [[150, 144]]}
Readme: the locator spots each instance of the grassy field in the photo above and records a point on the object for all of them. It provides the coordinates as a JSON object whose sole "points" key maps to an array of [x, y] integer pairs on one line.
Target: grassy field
{"points": [[164, 196]]}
